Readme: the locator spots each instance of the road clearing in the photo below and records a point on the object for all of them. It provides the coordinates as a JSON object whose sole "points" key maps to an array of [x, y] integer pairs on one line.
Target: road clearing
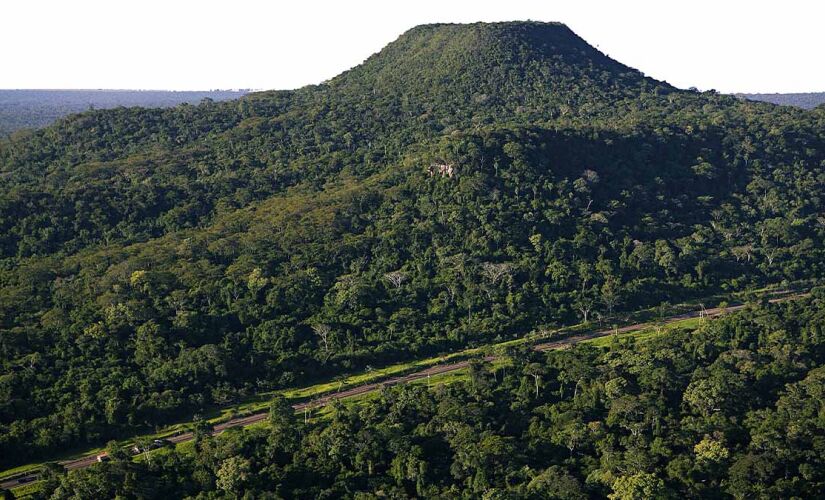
{"points": [[87, 460]]}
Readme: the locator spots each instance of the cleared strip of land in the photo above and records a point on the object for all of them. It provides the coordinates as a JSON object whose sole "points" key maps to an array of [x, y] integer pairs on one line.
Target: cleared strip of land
{"points": [[435, 369]]}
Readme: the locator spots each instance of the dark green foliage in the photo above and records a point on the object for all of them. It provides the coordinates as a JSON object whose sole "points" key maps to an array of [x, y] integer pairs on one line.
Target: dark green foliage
{"points": [[466, 184], [733, 409]]}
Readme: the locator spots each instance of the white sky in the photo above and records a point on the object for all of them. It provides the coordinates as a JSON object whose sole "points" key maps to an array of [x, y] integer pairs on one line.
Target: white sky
{"points": [[732, 46]]}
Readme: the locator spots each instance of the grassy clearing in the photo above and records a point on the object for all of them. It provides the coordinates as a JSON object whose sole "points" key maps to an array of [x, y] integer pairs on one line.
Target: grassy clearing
{"points": [[26, 490], [645, 333]]}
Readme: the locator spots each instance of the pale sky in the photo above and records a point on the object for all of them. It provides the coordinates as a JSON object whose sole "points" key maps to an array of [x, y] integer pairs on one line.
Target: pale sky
{"points": [[731, 46]]}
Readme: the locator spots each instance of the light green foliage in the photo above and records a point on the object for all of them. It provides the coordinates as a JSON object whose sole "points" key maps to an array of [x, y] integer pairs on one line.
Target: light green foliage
{"points": [[232, 474], [710, 450], [640, 486]]}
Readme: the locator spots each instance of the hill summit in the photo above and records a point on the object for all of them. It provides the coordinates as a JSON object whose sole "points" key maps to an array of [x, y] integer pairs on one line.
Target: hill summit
{"points": [[537, 67], [430, 51]]}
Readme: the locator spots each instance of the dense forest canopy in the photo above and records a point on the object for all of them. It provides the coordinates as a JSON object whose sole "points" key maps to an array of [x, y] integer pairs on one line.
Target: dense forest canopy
{"points": [[733, 409], [468, 183]]}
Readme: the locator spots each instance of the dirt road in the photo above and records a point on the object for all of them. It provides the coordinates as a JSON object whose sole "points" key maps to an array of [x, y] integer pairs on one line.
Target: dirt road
{"points": [[365, 388]]}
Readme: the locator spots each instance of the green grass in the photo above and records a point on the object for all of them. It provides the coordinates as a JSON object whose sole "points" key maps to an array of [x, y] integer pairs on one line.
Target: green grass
{"points": [[26, 490], [22, 468], [645, 333]]}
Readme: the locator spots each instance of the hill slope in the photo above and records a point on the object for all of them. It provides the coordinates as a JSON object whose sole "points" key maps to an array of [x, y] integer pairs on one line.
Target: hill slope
{"points": [[468, 182]]}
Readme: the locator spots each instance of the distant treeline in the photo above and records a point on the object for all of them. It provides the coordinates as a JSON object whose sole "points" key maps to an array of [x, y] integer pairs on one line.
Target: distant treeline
{"points": [[805, 100], [37, 108]]}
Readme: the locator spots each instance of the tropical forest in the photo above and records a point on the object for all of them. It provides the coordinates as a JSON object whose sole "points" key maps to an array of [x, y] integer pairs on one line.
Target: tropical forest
{"points": [[612, 286]]}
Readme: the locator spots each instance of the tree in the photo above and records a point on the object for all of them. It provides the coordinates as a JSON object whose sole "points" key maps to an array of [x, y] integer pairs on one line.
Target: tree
{"points": [[710, 450], [639, 486], [201, 430], [410, 465], [323, 332], [720, 392], [479, 371], [256, 281], [51, 474], [584, 305], [233, 474], [570, 434], [284, 425], [611, 293], [396, 278], [554, 483], [661, 319], [536, 371], [750, 476], [116, 452], [281, 414], [495, 272]]}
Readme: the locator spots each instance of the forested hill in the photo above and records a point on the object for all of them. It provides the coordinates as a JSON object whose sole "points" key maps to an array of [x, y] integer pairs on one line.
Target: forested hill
{"points": [[30, 108], [467, 183], [494, 73]]}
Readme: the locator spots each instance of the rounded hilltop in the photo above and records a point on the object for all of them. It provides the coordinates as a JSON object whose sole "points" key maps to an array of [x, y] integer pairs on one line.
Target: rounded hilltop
{"points": [[442, 48], [533, 69]]}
